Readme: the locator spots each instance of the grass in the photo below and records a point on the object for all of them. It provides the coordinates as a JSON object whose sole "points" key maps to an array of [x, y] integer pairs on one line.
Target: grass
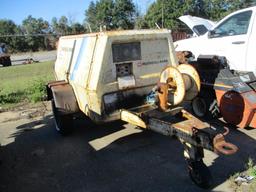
{"points": [[250, 171], [24, 82]]}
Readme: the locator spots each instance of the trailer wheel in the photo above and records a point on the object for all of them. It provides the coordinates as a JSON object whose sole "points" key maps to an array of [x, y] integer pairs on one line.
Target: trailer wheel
{"points": [[63, 122], [200, 174]]}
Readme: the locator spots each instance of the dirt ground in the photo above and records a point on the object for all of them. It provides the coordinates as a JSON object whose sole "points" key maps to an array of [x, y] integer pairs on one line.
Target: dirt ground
{"points": [[110, 157]]}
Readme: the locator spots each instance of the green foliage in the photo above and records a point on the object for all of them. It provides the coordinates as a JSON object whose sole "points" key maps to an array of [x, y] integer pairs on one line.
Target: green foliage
{"points": [[37, 34], [90, 14], [109, 14], [250, 171], [37, 90], [24, 83], [141, 23], [63, 26], [217, 9], [251, 168], [104, 13], [11, 97], [124, 14], [100, 15], [8, 27], [165, 13], [32, 26], [77, 28]]}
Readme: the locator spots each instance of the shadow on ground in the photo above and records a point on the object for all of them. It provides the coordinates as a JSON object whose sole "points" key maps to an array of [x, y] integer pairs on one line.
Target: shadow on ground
{"points": [[41, 160]]}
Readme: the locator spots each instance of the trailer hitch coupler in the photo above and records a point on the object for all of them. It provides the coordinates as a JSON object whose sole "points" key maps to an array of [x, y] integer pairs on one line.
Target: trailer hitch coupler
{"points": [[221, 146]]}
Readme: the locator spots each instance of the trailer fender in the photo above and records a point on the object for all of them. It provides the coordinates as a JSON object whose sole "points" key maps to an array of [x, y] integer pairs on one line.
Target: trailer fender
{"points": [[63, 95]]}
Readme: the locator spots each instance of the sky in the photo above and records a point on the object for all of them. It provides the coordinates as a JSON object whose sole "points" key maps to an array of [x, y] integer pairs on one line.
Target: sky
{"points": [[18, 10]]}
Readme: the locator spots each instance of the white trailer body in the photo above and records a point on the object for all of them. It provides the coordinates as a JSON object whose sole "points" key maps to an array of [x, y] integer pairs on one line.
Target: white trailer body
{"points": [[100, 65]]}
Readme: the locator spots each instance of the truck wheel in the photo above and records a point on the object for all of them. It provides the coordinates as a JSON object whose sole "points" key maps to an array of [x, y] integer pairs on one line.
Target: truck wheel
{"points": [[7, 62], [63, 122], [200, 174]]}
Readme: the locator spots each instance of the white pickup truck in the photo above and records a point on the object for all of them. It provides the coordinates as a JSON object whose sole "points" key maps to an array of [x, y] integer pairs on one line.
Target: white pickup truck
{"points": [[233, 37]]}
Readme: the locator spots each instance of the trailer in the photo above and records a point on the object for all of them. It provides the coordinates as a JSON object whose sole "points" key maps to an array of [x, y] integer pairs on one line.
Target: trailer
{"points": [[133, 76]]}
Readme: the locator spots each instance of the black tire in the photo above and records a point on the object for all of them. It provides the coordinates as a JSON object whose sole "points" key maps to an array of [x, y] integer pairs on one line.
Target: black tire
{"points": [[63, 122], [200, 174], [7, 62], [199, 107], [205, 108]]}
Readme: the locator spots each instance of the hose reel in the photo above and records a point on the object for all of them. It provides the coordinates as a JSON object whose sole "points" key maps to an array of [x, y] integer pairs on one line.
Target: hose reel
{"points": [[178, 84]]}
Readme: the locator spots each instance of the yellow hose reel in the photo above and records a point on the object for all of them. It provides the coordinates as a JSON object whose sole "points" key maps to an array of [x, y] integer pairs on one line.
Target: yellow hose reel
{"points": [[178, 84]]}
